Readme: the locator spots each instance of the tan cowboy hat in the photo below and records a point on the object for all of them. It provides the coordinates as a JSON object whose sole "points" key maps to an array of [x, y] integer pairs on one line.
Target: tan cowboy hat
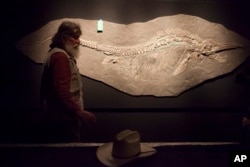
{"points": [[125, 148]]}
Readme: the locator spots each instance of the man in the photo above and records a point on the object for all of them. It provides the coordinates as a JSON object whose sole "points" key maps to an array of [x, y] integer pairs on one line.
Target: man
{"points": [[62, 88]]}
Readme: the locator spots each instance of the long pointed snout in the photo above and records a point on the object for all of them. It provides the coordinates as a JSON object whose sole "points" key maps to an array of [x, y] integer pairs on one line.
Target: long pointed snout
{"points": [[223, 47]]}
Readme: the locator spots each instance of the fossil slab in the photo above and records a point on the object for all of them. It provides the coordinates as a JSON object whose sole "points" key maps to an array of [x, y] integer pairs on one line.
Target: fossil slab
{"points": [[162, 57]]}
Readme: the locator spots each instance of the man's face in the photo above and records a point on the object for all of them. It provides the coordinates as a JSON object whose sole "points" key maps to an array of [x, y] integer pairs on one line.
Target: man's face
{"points": [[74, 40], [72, 45]]}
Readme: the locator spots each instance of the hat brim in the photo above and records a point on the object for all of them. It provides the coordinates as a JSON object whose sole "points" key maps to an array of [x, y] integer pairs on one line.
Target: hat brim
{"points": [[104, 154]]}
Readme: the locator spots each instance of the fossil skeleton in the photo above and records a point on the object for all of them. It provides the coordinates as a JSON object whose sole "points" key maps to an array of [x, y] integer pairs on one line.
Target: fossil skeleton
{"points": [[195, 47], [169, 56]]}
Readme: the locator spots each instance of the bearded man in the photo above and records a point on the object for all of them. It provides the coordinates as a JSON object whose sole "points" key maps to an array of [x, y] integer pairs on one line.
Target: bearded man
{"points": [[61, 88]]}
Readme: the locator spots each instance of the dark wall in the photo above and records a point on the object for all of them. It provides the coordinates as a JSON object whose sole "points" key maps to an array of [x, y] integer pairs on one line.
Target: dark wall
{"points": [[211, 111], [21, 81]]}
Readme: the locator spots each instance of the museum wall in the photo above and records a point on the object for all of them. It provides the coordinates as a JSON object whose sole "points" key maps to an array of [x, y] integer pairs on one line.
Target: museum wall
{"points": [[211, 111], [22, 76]]}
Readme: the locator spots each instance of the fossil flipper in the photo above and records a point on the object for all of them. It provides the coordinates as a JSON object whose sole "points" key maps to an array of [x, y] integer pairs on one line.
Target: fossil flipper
{"points": [[161, 57], [181, 67]]}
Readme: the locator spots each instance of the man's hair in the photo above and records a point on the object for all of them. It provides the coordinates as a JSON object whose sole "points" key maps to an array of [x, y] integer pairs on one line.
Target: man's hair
{"points": [[67, 28]]}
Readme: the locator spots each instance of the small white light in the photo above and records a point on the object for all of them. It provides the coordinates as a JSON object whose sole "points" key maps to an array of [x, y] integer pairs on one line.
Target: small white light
{"points": [[100, 26]]}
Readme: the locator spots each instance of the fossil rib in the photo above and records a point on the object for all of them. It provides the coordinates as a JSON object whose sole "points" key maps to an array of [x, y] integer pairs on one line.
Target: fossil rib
{"points": [[162, 57]]}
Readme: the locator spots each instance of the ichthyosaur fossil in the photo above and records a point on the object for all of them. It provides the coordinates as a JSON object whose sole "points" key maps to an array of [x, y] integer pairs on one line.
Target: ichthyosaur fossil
{"points": [[162, 57], [196, 48]]}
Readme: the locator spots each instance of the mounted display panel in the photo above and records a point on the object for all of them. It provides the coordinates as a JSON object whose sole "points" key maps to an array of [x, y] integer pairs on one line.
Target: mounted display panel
{"points": [[164, 56]]}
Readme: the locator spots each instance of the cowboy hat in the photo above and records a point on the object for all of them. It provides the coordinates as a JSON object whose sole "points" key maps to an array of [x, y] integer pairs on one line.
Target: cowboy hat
{"points": [[125, 148]]}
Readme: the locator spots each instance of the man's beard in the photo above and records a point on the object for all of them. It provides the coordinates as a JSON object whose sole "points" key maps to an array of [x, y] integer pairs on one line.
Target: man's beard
{"points": [[72, 50]]}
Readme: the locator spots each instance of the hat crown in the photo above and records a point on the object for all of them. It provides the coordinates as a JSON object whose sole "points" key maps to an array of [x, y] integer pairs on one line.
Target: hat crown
{"points": [[126, 144]]}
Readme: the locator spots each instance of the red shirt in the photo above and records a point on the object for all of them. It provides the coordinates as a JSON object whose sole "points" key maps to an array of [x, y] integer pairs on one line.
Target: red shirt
{"points": [[57, 89]]}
